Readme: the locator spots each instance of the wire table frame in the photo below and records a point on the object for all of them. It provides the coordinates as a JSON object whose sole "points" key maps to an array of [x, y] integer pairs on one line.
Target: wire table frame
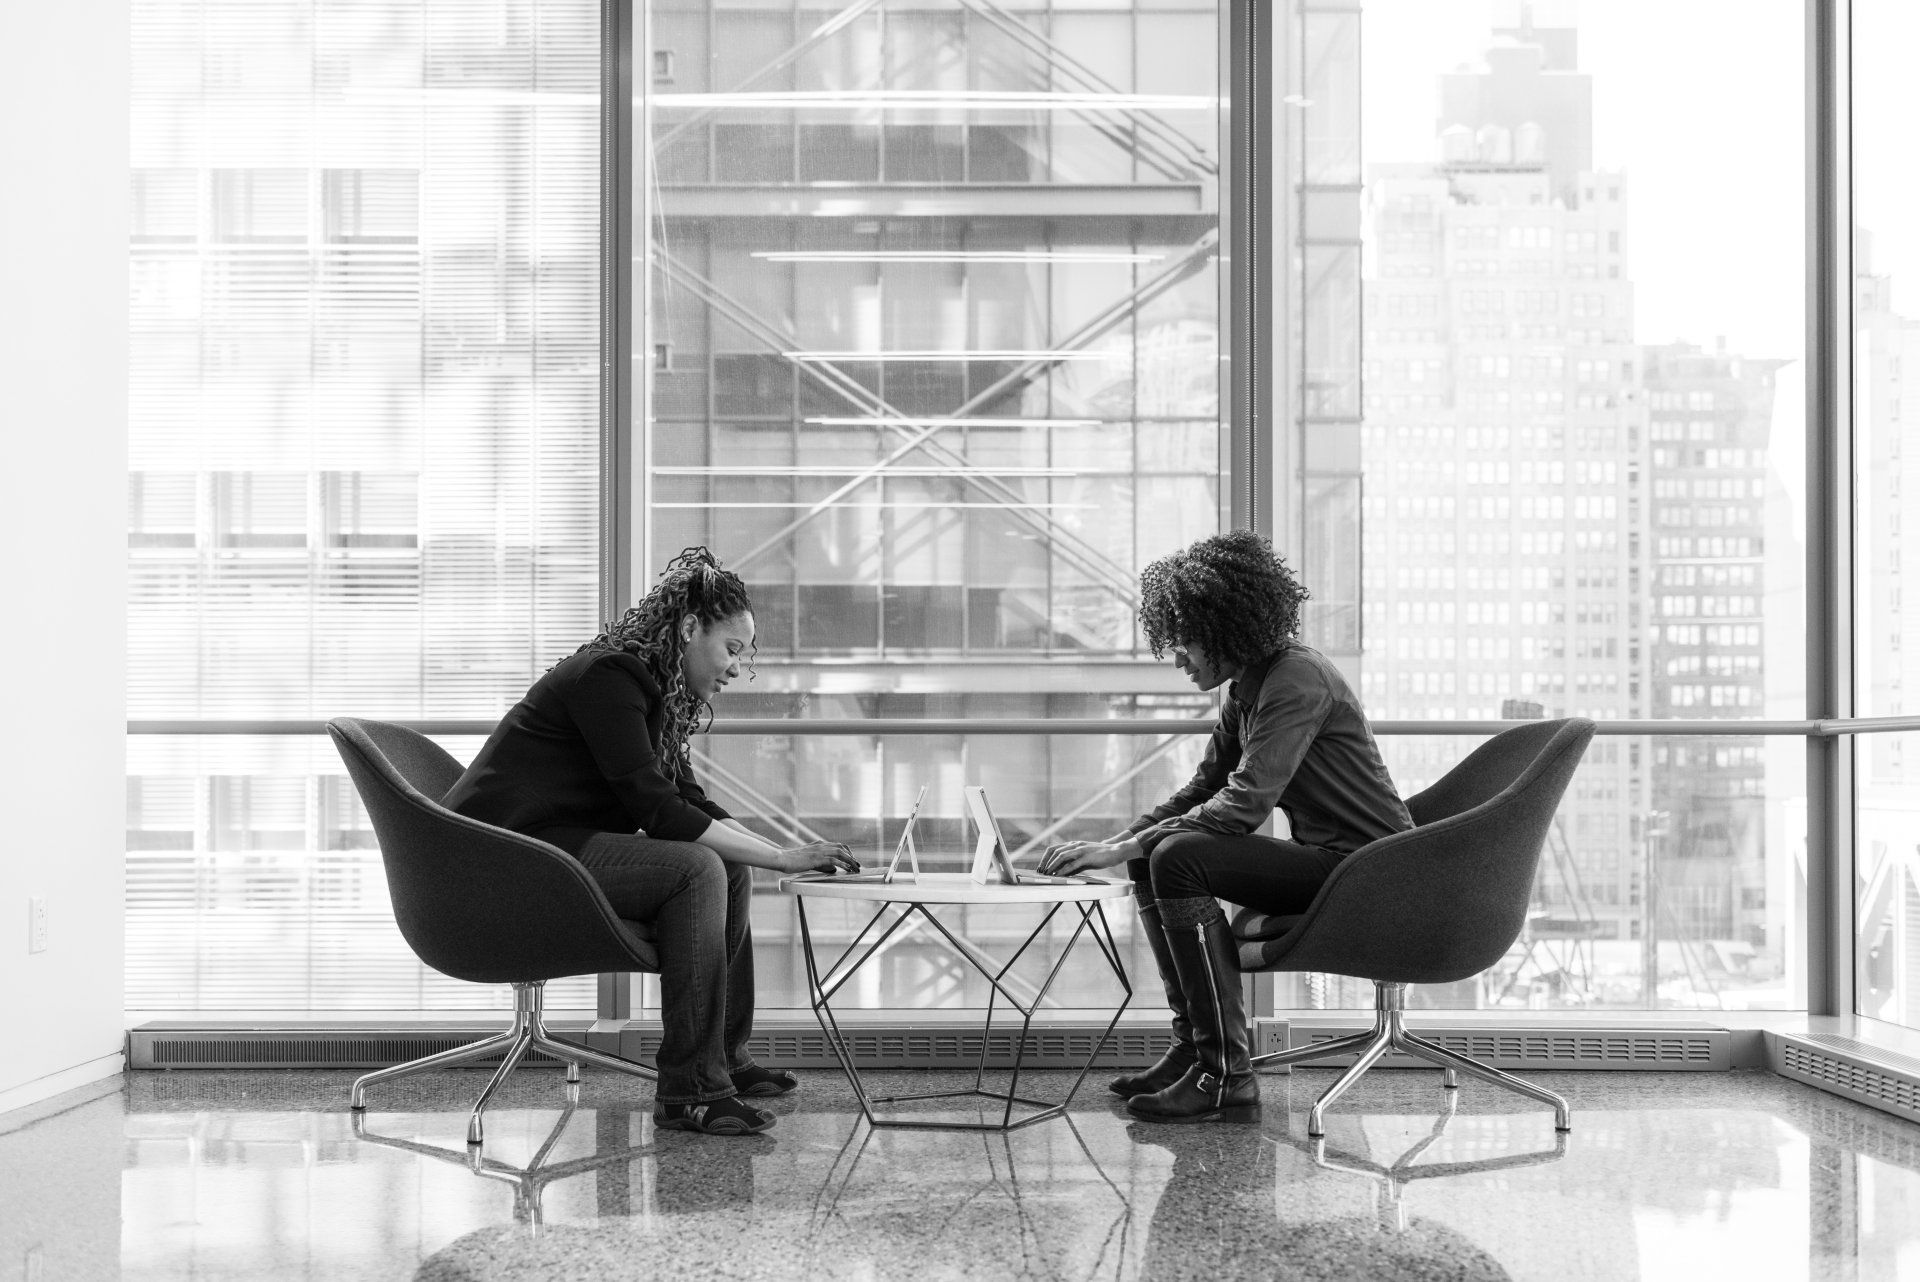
{"points": [[907, 899]]}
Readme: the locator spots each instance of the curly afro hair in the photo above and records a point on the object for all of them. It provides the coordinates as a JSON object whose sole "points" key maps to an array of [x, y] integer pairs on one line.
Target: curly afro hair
{"points": [[1231, 594]]}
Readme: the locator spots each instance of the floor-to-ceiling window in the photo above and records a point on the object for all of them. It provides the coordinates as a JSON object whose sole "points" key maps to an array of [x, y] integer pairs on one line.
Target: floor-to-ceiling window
{"points": [[1582, 456], [933, 337], [1886, 406], [932, 319], [365, 451]]}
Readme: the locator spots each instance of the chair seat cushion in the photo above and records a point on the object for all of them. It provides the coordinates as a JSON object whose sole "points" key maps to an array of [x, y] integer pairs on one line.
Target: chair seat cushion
{"points": [[1253, 956], [1256, 933], [1252, 924]]}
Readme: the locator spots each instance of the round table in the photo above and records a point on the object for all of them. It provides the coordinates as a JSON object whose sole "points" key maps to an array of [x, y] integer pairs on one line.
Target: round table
{"points": [[911, 895]]}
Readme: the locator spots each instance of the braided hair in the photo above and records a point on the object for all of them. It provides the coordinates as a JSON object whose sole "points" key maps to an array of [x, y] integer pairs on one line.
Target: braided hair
{"points": [[693, 583], [1232, 594]]}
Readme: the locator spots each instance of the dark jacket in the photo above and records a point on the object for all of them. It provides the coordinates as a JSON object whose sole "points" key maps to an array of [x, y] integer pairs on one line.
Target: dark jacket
{"points": [[1291, 735], [579, 755]]}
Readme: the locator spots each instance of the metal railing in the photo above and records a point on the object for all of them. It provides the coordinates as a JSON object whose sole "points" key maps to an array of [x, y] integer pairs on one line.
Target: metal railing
{"points": [[1819, 728]]}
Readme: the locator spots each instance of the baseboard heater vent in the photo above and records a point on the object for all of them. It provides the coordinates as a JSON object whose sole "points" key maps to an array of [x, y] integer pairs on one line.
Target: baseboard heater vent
{"points": [[1061, 1045], [1708, 1050], [290, 1048], [1855, 1070]]}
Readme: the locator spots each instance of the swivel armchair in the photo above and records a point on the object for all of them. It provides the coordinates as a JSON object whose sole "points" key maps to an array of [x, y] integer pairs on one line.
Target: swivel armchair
{"points": [[483, 904], [1437, 903]]}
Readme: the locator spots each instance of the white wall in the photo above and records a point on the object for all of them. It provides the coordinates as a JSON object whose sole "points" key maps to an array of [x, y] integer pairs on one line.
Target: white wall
{"points": [[63, 444]]}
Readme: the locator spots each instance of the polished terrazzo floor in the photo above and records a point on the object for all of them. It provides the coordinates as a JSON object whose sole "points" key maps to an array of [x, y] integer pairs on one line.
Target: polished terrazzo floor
{"points": [[264, 1175]]}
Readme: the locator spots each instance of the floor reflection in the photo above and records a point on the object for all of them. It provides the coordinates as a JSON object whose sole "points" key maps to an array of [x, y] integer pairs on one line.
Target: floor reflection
{"points": [[528, 1182], [1391, 1178], [1042, 1198], [267, 1175]]}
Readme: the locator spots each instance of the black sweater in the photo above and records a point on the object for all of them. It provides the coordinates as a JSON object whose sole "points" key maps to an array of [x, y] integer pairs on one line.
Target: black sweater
{"points": [[579, 755]]}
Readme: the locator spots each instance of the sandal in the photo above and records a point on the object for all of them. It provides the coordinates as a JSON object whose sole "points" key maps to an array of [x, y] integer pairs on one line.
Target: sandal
{"points": [[713, 1117], [755, 1080]]}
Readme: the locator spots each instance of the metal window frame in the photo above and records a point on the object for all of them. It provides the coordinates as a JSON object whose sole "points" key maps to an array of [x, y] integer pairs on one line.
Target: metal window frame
{"points": [[1249, 305], [623, 331], [1831, 800]]}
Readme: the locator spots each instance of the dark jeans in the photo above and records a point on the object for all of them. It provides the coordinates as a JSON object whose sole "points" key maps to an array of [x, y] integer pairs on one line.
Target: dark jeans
{"points": [[1264, 873], [698, 906]]}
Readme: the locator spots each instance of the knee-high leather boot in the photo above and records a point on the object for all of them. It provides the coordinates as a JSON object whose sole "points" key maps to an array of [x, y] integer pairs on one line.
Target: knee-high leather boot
{"points": [[1220, 1086], [1180, 1056]]}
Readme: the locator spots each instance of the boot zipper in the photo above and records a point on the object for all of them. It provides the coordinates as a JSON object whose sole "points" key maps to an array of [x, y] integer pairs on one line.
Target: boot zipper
{"points": [[1219, 1020]]}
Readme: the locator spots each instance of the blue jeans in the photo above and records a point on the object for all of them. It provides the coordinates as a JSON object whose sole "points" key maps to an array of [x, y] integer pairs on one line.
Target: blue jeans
{"points": [[697, 904]]}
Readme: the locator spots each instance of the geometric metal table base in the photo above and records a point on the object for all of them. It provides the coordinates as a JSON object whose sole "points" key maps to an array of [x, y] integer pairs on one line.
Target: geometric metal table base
{"points": [[527, 1033], [822, 986], [1390, 1033]]}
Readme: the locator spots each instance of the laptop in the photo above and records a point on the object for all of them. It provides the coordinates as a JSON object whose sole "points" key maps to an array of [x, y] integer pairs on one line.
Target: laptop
{"points": [[993, 858], [903, 847]]}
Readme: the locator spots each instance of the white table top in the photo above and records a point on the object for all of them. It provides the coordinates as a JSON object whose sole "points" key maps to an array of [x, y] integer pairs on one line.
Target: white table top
{"points": [[952, 888]]}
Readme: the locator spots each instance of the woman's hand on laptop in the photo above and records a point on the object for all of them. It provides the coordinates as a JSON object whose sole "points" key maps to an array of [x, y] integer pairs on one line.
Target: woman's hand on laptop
{"points": [[818, 856], [1072, 857]]}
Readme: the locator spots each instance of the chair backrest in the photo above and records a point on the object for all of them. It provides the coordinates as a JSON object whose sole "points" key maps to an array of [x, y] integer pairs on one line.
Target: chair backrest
{"points": [[474, 901], [417, 761], [1483, 773], [1445, 900]]}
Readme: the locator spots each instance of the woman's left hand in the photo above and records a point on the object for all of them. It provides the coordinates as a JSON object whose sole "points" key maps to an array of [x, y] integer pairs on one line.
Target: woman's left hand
{"points": [[1071, 857]]}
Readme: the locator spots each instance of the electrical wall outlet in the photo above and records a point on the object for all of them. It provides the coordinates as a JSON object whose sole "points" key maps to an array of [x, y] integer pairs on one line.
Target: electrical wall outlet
{"points": [[34, 1268], [37, 924], [1270, 1038]]}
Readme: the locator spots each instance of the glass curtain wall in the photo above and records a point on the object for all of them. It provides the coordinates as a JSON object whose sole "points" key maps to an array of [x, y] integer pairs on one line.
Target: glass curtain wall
{"points": [[934, 335], [1582, 456], [1886, 264], [933, 329], [364, 451]]}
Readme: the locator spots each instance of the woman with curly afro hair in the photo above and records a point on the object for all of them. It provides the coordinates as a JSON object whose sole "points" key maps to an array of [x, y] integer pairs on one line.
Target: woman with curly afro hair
{"points": [[1291, 737], [594, 760]]}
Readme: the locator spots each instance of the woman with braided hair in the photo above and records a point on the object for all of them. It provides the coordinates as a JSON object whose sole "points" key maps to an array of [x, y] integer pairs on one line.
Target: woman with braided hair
{"points": [[595, 761], [1291, 736]]}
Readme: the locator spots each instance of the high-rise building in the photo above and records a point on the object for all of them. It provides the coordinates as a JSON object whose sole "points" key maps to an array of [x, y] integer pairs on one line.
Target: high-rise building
{"points": [[1505, 510], [1887, 644], [1710, 418], [1562, 522]]}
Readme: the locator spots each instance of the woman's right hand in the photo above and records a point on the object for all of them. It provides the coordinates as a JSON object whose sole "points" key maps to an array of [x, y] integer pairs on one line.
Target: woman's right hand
{"points": [[818, 856]]}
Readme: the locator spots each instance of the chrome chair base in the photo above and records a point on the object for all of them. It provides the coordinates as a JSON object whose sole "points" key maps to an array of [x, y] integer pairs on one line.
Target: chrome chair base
{"points": [[527, 1033], [1390, 1033]]}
